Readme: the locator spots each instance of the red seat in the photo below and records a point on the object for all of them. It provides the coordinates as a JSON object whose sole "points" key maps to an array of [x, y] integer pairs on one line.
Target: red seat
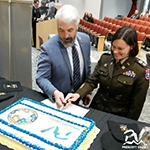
{"points": [[115, 28], [124, 18], [148, 31], [95, 20], [99, 22], [131, 20], [106, 19], [104, 32], [143, 29], [132, 25], [147, 19], [137, 27], [141, 36], [122, 23], [114, 21], [147, 24], [141, 22], [127, 24], [106, 24], [118, 22], [110, 26], [141, 18], [135, 21]]}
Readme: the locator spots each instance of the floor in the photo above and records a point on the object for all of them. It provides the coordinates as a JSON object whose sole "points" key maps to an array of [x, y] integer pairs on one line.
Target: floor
{"points": [[95, 55]]}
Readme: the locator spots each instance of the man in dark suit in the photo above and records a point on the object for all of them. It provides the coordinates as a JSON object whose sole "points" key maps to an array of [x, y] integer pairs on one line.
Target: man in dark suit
{"points": [[36, 16], [55, 71]]}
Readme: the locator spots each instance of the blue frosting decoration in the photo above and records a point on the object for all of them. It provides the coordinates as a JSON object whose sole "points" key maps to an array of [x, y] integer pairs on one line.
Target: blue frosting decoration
{"points": [[74, 146]]}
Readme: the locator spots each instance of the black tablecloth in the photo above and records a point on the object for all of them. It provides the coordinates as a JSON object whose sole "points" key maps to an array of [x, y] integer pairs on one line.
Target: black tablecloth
{"points": [[101, 118]]}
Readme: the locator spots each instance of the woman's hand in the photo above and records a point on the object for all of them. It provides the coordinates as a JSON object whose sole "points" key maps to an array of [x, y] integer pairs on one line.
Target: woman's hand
{"points": [[72, 97], [87, 99]]}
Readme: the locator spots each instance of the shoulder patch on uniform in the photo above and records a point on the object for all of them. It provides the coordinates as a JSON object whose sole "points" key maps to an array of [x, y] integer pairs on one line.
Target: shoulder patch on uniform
{"points": [[141, 62], [147, 74]]}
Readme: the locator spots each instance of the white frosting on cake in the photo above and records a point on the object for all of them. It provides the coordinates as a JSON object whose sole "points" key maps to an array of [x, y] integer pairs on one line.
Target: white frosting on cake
{"points": [[37, 123]]}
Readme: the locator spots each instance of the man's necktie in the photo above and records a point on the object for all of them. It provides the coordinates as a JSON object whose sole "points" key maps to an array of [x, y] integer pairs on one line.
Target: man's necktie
{"points": [[76, 69]]}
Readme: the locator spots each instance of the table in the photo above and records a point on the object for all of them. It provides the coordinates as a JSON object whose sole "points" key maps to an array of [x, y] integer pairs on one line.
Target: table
{"points": [[100, 117]]}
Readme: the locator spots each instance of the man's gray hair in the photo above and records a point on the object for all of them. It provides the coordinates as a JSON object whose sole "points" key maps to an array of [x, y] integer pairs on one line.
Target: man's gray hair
{"points": [[68, 13]]}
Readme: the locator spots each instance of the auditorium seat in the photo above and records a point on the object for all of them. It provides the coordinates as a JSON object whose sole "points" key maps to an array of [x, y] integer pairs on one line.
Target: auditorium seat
{"points": [[99, 22], [122, 23], [141, 22], [127, 24], [148, 32], [147, 19], [101, 39], [115, 28], [125, 18], [96, 34], [95, 20], [137, 27], [114, 21], [147, 23], [111, 20], [106, 19], [110, 27], [92, 31], [131, 20], [141, 18], [143, 29], [104, 32], [132, 25], [118, 22], [106, 24], [136, 21]]}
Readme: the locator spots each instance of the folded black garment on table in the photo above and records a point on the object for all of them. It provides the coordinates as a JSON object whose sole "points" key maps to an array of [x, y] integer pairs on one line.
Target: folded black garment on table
{"points": [[10, 86], [5, 96], [119, 135]]}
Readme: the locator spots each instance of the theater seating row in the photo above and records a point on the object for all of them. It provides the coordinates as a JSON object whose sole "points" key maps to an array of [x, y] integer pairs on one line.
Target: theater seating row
{"points": [[134, 23], [111, 23], [96, 32], [127, 19], [144, 18], [142, 26], [99, 30]]}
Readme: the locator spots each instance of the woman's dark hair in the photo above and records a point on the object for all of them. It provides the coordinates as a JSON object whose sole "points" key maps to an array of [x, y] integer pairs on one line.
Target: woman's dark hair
{"points": [[35, 1], [129, 35]]}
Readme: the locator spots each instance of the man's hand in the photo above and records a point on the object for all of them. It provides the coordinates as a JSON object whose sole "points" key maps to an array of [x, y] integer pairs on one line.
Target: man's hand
{"points": [[59, 98]]}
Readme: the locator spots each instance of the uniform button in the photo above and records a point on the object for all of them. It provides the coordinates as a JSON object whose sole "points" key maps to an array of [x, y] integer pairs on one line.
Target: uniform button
{"points": [[119, 109], [107, 87], [124, 82]]}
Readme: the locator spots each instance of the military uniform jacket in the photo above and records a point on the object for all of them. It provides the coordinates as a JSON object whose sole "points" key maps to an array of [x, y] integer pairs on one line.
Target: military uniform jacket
{"points": [[35, 15], [122, 89]]}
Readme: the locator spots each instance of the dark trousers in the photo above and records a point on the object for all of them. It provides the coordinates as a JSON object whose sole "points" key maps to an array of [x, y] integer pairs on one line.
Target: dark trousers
{"points": [[34, 36]]}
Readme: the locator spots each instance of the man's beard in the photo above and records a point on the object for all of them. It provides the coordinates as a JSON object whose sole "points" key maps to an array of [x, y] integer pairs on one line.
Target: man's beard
{"points": [[67, 42]]}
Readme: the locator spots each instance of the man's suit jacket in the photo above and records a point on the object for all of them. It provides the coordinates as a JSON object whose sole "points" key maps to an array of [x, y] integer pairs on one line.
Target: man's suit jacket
{"points": [[54, 69]]}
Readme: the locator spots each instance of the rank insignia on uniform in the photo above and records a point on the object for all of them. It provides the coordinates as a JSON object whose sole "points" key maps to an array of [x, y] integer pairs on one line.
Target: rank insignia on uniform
{"points": [[147, 74], [128, 63], [123, 127], [105, 65], [123, 67], [130, 73]]}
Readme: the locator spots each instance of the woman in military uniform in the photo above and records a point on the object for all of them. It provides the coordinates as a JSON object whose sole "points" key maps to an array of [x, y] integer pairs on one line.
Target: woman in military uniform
{"points": [[123, 79]]}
